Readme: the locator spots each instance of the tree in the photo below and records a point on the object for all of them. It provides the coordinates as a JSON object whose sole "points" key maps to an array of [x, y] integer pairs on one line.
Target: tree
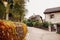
{"points": [[5, 5], [18, 9], [15, 7], [2, 10]]}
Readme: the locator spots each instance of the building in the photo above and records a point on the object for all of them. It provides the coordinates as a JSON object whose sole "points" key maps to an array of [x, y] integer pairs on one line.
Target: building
{"points": [[36, 18], [52, 15]]}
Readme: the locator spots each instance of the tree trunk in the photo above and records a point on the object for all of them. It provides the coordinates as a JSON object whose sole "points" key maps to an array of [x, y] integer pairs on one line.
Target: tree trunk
{"points": [[7, 16], [7, 11]]}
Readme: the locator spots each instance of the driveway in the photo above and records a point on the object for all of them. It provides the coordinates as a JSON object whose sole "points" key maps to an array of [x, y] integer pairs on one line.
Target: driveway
{"points": [[39, 34]]}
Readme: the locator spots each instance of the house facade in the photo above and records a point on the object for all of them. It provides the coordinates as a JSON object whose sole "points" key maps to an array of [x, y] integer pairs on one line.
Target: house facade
{"points": [[36, 18], [52, 15]]}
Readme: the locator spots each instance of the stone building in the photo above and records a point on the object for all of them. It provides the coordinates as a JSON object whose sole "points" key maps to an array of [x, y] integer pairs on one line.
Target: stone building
{"points": [[53, 15]]}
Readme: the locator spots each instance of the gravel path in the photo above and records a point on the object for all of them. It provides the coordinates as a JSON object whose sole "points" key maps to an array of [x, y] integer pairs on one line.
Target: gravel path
{"points": [[39, 34]]}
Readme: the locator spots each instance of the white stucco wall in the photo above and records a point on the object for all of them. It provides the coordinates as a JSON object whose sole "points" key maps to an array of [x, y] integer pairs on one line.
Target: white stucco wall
{"points": [[56, 18]]}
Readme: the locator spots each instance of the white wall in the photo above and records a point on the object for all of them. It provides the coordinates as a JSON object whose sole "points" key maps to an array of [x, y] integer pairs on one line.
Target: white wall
{"points": [[56, 18]]}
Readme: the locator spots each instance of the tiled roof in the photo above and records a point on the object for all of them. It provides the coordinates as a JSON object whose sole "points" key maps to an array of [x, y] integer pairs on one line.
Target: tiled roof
{"points": [[52, 10], [35, 16]]}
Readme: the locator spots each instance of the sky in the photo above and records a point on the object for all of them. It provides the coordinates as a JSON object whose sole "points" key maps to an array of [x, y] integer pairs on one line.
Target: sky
{"points": [[37, 7]]}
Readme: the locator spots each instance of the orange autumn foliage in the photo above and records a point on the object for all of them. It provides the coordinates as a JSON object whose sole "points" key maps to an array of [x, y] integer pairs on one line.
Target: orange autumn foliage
{"points": [[12, 30]]}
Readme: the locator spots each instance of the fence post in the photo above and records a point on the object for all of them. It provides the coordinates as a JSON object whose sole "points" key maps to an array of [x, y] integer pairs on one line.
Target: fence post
{"points": [[49, 28], [55, 26]]}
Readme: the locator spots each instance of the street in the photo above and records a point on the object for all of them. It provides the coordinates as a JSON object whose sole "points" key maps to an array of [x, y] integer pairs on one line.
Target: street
{"points": [[39, 34]]}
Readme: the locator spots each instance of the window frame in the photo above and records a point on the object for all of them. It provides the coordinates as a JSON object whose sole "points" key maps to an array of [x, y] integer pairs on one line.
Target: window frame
{"points": [[51, 16]]}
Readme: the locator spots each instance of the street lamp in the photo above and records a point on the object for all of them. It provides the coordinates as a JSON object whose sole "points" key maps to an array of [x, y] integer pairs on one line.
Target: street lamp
{"points": [[7, 8]]}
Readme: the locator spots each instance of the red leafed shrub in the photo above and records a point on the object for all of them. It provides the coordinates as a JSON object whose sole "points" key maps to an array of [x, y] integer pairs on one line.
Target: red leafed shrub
{"points": [[12, 31]]}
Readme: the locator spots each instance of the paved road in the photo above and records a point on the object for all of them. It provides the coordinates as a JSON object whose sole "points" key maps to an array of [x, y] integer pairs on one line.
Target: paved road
{"points": [[39, 34]]}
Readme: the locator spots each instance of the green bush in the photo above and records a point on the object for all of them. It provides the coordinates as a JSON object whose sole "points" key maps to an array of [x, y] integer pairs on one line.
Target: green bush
{"points": [[30, 23], [33, 23], [45, 24], [25, 21], [38, 24]]}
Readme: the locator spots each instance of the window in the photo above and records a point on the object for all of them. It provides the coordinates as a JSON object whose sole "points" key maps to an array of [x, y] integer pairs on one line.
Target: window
{"points": [[52, 16]]}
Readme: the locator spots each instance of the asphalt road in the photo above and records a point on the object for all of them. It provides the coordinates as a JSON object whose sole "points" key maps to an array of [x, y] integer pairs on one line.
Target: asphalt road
{"points": [[39, 34]]}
